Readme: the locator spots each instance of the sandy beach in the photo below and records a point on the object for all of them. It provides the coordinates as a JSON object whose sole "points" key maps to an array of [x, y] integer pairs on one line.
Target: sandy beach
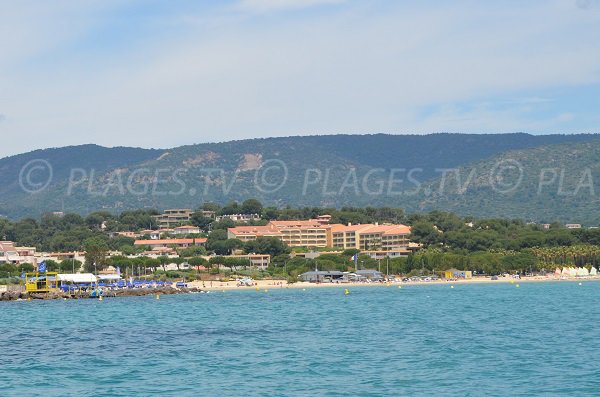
{"points": [[279, 284]]}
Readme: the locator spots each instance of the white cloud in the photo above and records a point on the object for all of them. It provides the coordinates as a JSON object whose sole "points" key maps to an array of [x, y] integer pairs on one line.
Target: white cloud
{"points": [[365, 67], [276, 5]]}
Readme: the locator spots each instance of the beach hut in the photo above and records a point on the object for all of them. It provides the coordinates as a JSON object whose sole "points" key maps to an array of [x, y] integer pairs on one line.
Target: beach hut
{"points": [[455, 273], [41, 282], [321, 276], [370, 274]]}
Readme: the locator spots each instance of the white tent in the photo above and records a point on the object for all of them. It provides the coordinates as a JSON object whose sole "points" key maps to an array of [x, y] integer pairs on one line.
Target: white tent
{"points": [[593, 271], [77, 278], [109, 277], [573, 271], [585, 271]]}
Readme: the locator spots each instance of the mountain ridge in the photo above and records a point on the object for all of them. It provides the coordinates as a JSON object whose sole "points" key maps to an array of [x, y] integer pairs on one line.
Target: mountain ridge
{"points": [[85, 178]]}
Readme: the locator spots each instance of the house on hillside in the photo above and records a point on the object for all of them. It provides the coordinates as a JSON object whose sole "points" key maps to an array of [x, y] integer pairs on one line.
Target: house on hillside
{"points": [[185, 230]]}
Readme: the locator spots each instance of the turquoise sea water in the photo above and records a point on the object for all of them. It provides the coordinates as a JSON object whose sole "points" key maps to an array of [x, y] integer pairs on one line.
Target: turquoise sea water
{"points": [[473, 340]]}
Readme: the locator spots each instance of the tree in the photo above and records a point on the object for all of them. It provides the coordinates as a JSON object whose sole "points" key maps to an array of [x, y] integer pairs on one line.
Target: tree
{"points": [[26, 267], [231, 208], [215, 260], [225, 247], [211, 207], [52, 265], [251, 206], [164, 261], [267, 245], [424, 232], [152, 263], [70, 265], [197, 261], [194, 250], [198, 219], [96, 219], [96, 251], [222, 225]]}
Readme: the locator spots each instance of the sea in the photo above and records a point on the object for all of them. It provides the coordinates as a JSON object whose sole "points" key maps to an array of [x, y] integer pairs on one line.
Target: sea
{"points": [[534, 339]]}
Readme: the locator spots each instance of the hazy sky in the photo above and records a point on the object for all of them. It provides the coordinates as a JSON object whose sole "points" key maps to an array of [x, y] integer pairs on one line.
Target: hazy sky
{"points": [[166, 73]]}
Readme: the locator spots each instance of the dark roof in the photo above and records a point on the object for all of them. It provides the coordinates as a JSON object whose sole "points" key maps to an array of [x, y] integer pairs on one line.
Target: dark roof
{"points": [[367, 271], [323, 273]]}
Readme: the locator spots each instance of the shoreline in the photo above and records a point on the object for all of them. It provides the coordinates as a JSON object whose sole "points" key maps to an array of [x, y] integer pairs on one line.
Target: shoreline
{"points": [[282, 284], [266, 285]]}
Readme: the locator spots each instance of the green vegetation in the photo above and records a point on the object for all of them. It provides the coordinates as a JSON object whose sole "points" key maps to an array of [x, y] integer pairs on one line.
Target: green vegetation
{"points": [[111, 179], [486, 246], [543, 184]]}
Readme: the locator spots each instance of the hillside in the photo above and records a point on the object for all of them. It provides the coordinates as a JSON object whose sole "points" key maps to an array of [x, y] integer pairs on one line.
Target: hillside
{"points": [[544, 184], [341, 170]]}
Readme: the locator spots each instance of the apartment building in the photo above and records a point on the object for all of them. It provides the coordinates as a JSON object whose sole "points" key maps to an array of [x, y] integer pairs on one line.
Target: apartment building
{"points": [[239, 217], [184, 230], [249, 233], [316, 234], [173, 242], [370, 237], [309, 233], [9, 253], [173, 217], [259, 261]]}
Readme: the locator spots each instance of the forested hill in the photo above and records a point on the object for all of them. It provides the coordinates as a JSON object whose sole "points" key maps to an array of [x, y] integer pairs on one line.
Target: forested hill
{"points": [[333, 171], [543, 184], [63, 160]]}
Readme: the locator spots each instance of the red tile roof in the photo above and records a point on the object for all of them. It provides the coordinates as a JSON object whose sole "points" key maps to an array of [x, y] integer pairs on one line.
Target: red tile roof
{"points": [[170, 241]]}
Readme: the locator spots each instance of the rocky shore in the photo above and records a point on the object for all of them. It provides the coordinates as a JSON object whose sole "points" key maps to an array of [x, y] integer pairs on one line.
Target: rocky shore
{"points": [[20, 295]]}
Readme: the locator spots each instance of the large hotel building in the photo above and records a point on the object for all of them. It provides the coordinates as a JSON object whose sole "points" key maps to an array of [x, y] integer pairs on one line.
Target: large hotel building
{"points": [[317, 234]]}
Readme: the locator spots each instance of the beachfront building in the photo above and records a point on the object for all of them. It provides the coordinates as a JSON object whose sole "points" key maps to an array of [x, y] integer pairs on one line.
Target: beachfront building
{"points": [[455, 273], [370, 274], [259, 261], [174, 217], [171, 243], [322, 276]]}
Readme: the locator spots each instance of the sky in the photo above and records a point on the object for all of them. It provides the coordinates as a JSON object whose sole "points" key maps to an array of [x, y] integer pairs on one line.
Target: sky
{"points": [[160, 74]]}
